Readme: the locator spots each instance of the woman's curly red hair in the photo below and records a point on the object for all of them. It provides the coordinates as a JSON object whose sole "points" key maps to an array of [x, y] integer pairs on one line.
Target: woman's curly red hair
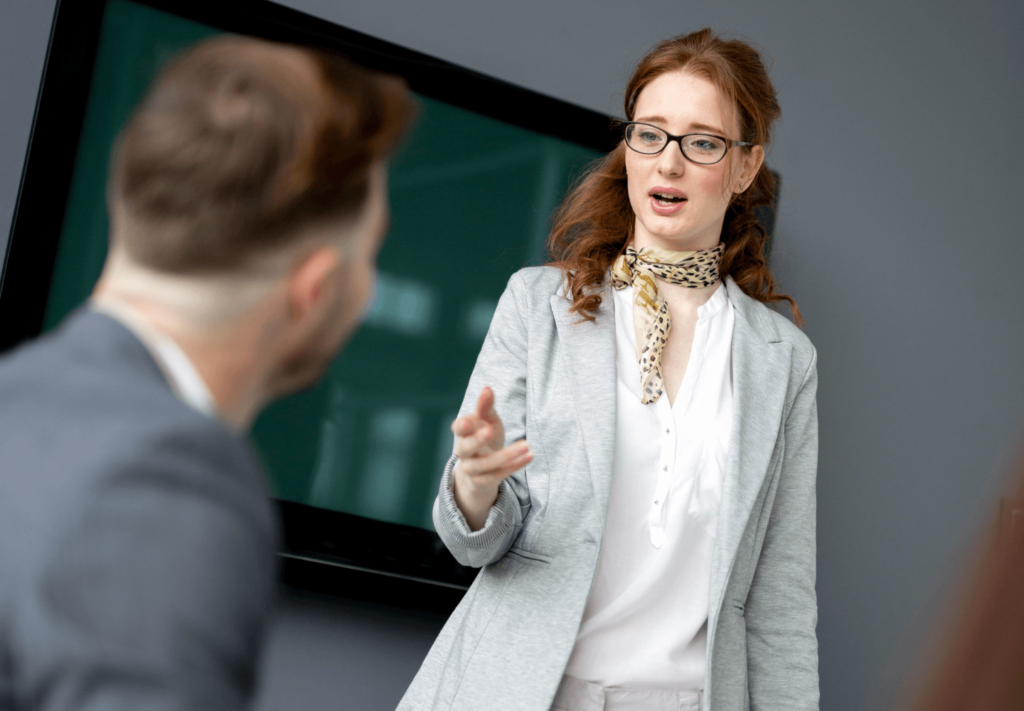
{"points": [[595, 221]]}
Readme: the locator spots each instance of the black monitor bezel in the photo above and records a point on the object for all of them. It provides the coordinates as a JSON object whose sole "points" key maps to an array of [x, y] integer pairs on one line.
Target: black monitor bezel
{"points": [[310, 534]]}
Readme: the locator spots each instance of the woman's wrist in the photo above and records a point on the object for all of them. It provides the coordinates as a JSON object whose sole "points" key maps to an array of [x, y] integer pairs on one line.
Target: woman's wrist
{"points": [[472, 499]]}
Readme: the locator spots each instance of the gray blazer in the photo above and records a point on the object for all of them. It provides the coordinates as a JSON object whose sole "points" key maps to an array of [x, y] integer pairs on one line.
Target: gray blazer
{"points": [[136, 537], [507, 644]]}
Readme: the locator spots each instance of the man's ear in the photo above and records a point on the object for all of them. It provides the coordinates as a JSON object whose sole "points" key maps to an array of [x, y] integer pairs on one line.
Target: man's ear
{"points": [[311, 283]]}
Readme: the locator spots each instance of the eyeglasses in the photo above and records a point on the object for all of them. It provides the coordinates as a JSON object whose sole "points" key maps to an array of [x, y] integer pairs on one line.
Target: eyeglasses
{"points": [[702, 148]]}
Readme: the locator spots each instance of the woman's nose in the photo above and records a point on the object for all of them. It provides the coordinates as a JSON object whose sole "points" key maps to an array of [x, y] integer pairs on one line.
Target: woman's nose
{"points": [[671, 161]]}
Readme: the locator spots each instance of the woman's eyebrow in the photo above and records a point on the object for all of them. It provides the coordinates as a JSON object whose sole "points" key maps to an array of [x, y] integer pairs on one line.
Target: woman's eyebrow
{"points": [[703, 127], [709, 129]]}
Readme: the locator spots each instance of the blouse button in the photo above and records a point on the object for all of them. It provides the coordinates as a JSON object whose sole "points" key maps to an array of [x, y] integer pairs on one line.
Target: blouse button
{"points": [[664, 469]]}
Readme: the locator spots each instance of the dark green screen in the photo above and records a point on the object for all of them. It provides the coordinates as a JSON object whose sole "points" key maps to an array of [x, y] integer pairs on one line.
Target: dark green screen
{"points": [[470, 200]]}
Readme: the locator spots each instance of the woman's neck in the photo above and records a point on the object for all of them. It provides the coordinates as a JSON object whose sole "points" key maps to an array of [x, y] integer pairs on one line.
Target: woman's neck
{"points": [[682, 297], [692, 242]]}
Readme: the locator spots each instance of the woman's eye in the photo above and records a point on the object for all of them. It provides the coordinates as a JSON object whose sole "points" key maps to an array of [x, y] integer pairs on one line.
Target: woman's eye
{"points": [[649, 137], [703, 144]]}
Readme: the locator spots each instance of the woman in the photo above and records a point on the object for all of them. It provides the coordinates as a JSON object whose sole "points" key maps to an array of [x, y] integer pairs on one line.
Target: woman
{"points": [[635, 460]]}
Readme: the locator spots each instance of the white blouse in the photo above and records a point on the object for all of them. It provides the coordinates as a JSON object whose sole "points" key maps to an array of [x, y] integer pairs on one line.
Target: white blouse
{"points": [[645, 623]]}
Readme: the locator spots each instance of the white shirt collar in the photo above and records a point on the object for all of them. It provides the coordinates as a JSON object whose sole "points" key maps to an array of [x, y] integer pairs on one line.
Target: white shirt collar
{"points": [[185, 381], [714, 304]]}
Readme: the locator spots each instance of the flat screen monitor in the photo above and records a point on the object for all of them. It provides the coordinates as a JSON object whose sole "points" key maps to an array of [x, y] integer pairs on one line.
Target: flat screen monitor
{"points": [[355, 461]]}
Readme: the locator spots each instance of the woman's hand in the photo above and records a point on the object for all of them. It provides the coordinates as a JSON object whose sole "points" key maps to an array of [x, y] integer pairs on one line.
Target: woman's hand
{"points": [[484, 461]]}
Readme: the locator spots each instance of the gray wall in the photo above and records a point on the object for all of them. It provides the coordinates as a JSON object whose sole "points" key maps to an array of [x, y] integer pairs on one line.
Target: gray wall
{"points": [[899, 236], [24, 36]]}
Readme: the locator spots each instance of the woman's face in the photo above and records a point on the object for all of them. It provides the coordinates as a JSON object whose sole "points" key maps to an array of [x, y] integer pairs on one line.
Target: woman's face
{"points": [[682, 103]]}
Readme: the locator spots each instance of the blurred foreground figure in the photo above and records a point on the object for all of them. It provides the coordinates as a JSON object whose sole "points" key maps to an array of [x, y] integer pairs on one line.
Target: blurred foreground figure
{"points": [[980, 664], [247, 200]]}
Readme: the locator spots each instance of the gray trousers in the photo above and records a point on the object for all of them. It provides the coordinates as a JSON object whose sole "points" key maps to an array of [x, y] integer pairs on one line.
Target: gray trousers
{"points": [[578, 695]]}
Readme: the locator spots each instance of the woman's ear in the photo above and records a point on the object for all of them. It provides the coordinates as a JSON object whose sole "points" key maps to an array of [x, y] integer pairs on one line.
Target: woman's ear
{"points": [[750, 164]]}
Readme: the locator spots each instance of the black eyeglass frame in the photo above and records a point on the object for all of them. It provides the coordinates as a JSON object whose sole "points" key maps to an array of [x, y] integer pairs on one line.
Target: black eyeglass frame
{"points": [[729, 143]]}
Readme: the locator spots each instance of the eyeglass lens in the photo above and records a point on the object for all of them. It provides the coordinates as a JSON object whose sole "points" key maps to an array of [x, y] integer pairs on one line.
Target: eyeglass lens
{"points": [[698, 147]]}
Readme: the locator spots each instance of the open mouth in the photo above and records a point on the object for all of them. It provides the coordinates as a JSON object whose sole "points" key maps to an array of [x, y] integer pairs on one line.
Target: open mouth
{"points": [[666, 199]]}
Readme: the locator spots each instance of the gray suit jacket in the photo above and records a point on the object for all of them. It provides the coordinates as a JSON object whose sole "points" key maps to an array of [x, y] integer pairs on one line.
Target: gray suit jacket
{"points": [[508, 642], [136, 537]]}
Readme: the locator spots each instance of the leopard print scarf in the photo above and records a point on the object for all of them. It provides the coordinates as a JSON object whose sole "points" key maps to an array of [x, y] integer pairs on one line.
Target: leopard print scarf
{"points": [[650, 312]]}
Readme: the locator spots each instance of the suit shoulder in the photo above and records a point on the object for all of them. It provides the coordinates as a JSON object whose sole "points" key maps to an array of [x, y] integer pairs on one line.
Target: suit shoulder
{"points": [[805, 356], [545, 279], [83, 423], [528, 292], [790, 332], [181, 466], [196, 452], [804, 353]]}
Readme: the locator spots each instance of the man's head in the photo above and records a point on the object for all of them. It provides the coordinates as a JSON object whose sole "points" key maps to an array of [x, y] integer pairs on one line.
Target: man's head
{"points": [[250, 188]]}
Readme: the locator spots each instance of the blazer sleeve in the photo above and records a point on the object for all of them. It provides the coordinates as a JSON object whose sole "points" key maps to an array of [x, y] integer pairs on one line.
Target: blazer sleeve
{"points": [[502, 365], [781, 608], [156, 596]]}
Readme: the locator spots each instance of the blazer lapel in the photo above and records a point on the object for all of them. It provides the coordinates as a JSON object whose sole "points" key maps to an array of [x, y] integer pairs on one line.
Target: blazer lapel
{"points": [[761, 363], [589, 349]]}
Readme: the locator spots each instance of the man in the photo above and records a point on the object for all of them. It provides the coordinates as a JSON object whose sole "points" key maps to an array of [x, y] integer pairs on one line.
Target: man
{"points": [[248, 200]]}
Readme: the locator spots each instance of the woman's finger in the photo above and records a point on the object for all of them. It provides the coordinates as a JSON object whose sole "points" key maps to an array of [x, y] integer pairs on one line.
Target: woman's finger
{"points": [[496, 476], [513, 458], [485, 407], [472, 445], [466, 425]]}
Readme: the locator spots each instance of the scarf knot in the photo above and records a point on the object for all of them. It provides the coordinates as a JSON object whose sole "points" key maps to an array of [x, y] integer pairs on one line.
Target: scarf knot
{"points": [[641, 270]]}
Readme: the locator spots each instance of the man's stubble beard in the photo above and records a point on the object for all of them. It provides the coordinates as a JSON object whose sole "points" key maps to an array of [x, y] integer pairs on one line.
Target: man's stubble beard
{"points": [[306, 367], [302, 371]]}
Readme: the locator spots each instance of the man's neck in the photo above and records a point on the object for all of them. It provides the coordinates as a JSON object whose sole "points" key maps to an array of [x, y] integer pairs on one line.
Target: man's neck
{"points": [[224, 356]]}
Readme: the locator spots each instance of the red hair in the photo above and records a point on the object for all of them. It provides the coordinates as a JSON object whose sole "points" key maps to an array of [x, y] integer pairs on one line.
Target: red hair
{"points": [[595, 221]]}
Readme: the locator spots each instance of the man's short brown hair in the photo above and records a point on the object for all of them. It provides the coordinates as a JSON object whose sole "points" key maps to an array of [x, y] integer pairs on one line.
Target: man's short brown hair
{"points": [[241, 142]]}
